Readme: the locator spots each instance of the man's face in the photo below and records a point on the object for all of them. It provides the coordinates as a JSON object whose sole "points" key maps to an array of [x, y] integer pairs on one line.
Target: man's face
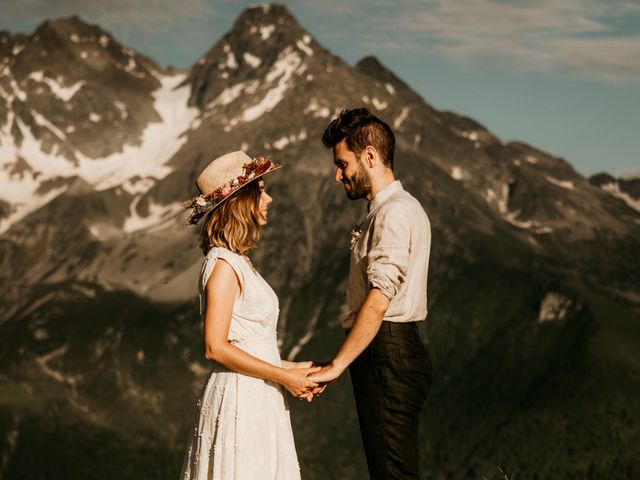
{"points": [[351, 172]]}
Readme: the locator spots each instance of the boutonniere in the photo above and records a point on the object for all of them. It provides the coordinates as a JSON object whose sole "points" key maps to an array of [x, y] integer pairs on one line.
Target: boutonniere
{"points": [[355, 234]]}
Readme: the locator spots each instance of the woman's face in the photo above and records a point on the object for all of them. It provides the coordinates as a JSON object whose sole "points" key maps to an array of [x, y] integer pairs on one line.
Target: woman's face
{"points": [[265, 200]]}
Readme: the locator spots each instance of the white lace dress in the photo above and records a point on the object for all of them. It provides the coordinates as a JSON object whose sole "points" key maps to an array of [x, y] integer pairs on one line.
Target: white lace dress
{"points": [[242, 428]]}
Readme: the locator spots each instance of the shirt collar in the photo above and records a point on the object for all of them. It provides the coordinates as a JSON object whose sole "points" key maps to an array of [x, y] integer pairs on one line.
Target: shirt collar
{"points": [[384, 194]]}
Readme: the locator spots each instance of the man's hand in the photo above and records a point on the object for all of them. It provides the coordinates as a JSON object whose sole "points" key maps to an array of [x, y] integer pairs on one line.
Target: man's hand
{"points": [[327, 374]]}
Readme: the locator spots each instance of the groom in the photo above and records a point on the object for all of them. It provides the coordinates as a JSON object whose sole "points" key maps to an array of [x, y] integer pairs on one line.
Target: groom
{"points": [[386, 295]]}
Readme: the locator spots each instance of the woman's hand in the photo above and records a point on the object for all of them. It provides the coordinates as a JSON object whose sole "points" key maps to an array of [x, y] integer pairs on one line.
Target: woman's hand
{"points": [[296, 380]]}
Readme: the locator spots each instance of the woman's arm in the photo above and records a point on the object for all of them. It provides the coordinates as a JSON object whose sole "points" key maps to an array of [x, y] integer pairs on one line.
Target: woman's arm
{"points": [[288, 364], [222, 289]]}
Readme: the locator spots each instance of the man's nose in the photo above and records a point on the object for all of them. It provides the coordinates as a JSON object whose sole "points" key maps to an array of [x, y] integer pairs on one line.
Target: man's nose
{"points": [[338, 175]]}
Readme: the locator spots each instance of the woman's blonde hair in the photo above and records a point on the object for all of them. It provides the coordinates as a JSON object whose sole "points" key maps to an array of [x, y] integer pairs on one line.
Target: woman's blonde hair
{"points": [[235, 224]]}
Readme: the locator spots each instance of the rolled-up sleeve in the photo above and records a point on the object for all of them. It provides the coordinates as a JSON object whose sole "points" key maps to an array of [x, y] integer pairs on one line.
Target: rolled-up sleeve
{"points": [[388, 257]]}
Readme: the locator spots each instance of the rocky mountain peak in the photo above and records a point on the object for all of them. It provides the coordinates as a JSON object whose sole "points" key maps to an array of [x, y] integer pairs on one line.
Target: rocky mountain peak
{"points": [[372, 67], [264, 45], [266, 14], [91, 45], [71, 92], [68, 28]]}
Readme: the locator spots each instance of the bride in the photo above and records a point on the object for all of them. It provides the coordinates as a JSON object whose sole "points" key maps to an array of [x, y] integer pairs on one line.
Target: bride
{"points": [[242, 428]]}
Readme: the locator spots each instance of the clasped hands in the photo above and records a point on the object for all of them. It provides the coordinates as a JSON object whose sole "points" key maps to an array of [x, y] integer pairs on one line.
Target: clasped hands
{"points": [[309, 379]]}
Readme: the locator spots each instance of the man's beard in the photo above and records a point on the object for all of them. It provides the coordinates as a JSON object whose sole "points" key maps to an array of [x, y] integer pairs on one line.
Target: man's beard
{"points": [[360, 184]]}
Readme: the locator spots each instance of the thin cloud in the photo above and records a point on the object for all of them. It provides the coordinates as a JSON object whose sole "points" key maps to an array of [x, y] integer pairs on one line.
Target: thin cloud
{"points": [[588, 38], [614, 59], [572, 36], [149, 18]]}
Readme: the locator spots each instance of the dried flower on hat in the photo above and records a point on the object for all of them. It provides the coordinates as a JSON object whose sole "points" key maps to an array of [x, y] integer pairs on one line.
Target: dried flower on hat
{"points": [[203, 204]]}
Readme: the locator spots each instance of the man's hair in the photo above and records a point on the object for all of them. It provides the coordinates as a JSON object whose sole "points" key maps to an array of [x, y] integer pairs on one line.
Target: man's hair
{"points": [[235, 224], [361, 128]]}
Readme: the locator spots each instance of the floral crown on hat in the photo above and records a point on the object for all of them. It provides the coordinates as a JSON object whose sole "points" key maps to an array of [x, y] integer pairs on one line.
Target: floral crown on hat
{"points": [[223, 188]]}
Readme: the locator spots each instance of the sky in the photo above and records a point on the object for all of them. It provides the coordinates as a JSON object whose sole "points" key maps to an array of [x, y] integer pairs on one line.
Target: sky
{"points": [[561, 75]]}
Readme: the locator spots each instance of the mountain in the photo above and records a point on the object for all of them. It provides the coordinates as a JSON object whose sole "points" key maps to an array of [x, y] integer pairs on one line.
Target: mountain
{"points": [[533, 285], [76, 102]]}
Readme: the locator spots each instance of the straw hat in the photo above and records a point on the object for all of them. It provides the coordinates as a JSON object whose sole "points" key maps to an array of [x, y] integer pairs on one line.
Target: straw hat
{"points": [[223, 177]]}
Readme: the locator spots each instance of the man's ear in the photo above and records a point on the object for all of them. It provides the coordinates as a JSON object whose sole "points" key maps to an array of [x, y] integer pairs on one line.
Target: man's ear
{"points": [[370, 156]]}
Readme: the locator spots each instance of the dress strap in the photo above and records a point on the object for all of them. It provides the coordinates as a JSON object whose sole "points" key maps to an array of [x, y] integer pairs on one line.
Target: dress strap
{"points": [[233, 259]]}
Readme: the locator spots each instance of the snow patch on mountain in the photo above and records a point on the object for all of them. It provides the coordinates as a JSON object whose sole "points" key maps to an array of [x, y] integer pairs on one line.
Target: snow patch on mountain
{"points": [[473, 135], [252, 60], [228, 95], [282, 142], [159, 216], [43, 122], [231, 61], [63, 93], [379, 104], [44, 360], [560, 183], [288, 63], [490, 195], [502, 202], [614, 189], [304, 47], [131, 67], [16, 91], [266, 31], [456, 173], [534, 225], [554, 307], [160, 141], [42, 165], [397, 123], [123, 109], [137, 185], [317, 110], [28, 204]]}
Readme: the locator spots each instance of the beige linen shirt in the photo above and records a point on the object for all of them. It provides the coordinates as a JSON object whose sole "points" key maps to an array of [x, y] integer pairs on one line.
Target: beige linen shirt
{"points": [[391, 253]]}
